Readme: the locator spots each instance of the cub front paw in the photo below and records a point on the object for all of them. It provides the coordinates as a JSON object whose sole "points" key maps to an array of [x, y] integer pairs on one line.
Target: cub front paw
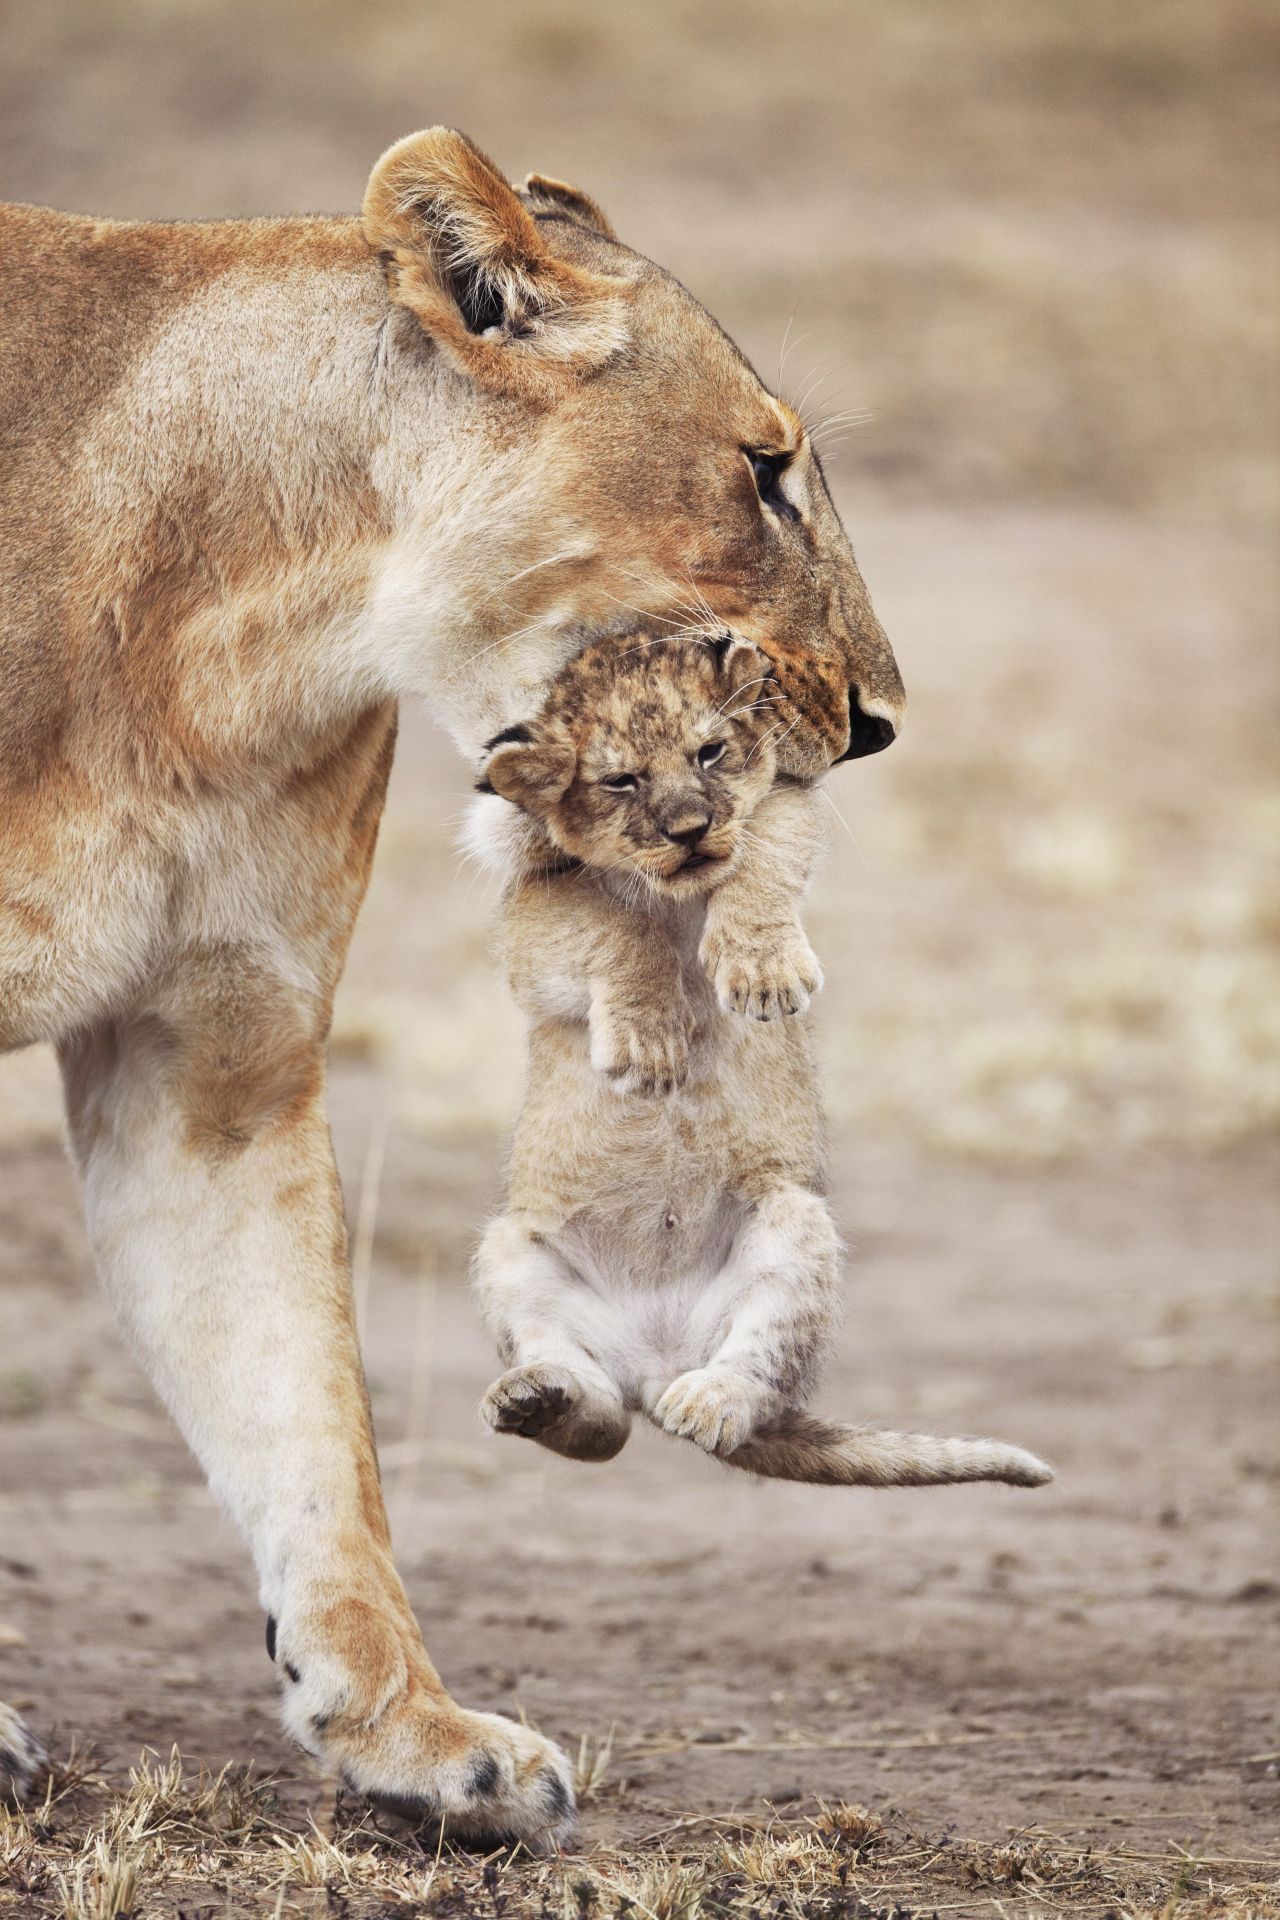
{"points": [[713, 1409], [643, 1049], [764, 978]]}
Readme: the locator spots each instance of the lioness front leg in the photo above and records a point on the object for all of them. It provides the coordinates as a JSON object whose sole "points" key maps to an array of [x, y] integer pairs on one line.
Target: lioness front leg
{"points": [[216, 1218], [754, 949]]}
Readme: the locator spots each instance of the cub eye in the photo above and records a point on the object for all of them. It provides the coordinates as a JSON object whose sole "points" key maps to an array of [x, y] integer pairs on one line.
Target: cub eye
{"points": [[713, 751], [620, 783]]}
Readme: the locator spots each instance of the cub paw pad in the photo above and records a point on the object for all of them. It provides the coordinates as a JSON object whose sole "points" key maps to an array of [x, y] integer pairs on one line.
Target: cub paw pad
{"points": [[527, 1401]]}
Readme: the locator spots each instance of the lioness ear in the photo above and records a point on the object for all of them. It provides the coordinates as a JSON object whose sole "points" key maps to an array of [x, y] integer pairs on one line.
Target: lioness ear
{"points": [[532, 774], [557, 196], [465, 256]]}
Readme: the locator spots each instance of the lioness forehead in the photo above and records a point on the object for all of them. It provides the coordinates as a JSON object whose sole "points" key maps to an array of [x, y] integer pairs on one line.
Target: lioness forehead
{"points": [[670, 327]]}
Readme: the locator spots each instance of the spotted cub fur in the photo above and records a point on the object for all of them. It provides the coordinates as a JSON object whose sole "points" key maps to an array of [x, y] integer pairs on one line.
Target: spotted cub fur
{"points": [[666, 1248]]}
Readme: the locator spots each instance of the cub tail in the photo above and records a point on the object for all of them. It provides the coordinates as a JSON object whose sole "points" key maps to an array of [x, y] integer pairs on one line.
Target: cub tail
{"points": [[826, 1453]]}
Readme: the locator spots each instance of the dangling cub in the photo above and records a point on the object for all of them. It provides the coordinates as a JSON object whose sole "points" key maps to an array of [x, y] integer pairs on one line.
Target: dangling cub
{"points": [[666, 1248]]}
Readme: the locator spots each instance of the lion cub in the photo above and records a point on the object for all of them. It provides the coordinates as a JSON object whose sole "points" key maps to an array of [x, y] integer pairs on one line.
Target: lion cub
{"points": [[666, 1248]]}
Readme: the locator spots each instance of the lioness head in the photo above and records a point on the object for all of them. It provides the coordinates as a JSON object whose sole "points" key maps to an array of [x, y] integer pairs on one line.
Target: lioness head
{"points": [[648, 758], [619, 456]]}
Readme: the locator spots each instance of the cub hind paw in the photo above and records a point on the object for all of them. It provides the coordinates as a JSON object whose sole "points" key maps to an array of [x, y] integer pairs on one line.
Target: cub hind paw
{"points": [[529, 1401], [714, 1410], [552, 1406]]}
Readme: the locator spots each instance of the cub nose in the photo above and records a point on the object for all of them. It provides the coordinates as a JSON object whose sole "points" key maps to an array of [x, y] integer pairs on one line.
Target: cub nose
{"points": [[688, 829], [868, 732]]}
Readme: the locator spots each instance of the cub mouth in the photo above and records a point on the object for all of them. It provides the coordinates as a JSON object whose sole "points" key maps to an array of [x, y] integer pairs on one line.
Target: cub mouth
{"points": [[696, 870]]}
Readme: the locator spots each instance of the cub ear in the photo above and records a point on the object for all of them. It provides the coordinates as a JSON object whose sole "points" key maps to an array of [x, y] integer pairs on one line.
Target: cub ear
{"points": [[739, 663], [533, 774], [465, 256], [557, 196]]}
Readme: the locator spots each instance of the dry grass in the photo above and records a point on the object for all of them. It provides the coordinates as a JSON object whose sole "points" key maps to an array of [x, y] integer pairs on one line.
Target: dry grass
{"points": [[592, 1766], [177, 1841]]}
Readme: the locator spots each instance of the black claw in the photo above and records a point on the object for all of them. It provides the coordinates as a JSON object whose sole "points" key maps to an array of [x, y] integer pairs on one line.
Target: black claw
{"points": [[484, 1776], [557, 1796], [271, 1638]]}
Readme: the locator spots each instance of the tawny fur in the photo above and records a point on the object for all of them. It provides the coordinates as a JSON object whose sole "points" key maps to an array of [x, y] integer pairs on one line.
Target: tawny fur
{"points": [[260, 480], [666, 1248]]}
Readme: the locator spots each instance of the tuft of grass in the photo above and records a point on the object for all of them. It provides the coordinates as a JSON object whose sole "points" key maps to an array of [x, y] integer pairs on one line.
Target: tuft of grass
{"points": [[313, 1860], [592, 1765], [661, 1889], [1019, 1862], [166, 1803], [850, 1828], [104, 1883]]}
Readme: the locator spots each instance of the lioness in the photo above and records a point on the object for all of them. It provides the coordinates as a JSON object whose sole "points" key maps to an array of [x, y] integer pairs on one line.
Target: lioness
{"points": [[260, 480], [666, 1247]]}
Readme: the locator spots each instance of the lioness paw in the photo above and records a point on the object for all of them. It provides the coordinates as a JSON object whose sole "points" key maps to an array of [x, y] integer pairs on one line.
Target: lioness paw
{"points": [[361, 1695], [763, 979], [713, 1409], [499, 1782], [22, 1758]]}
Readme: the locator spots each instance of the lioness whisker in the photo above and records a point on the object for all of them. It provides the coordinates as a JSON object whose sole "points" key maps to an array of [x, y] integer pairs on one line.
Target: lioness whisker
{"points": [[845, 824], [760, 680]]}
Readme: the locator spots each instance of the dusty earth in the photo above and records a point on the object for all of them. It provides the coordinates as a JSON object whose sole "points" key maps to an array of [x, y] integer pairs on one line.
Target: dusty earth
{"points": [[1036, 242]]}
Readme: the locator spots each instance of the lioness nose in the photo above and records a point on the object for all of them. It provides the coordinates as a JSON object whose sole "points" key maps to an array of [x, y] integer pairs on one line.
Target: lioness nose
{"points": [[687, 831], [868, 732]]}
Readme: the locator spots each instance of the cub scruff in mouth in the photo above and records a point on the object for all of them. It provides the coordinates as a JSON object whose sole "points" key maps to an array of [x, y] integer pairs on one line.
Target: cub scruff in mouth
{"points": [[666, 1248]]}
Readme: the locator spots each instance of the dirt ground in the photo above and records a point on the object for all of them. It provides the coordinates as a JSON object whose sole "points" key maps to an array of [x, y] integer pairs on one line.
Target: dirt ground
{"points": [[1036, 242]]}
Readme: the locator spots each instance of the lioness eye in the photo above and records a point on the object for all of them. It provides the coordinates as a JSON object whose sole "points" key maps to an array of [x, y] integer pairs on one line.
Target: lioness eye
{"points": [[620, 783], [766, 469], [713, 751]]}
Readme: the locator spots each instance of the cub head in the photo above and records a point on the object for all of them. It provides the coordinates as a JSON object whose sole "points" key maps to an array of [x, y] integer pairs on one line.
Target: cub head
{"points": [[648, 758], [613, 455]]}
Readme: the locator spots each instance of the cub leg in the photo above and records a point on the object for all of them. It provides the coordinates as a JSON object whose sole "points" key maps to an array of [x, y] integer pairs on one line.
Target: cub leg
{"points": [[754, 949], [573, 951], [554, 1391], [769, 1315], [216, 1219]]}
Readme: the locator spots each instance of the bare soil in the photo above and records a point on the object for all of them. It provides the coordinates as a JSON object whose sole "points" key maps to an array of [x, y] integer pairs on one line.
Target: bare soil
{"points": [[1037, 242]]}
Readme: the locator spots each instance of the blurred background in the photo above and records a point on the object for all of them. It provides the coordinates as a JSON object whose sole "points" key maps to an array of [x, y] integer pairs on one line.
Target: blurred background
{"points": [[1036, 241]]}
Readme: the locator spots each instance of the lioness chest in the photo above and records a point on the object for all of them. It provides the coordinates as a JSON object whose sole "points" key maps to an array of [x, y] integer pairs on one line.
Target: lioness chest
{"points": [[84, 889]]}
